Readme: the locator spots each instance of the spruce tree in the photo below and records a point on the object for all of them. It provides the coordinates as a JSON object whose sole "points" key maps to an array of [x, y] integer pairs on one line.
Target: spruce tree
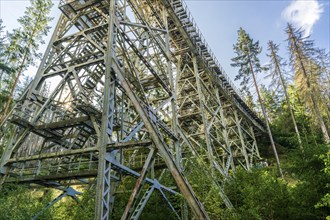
{"points": [[248, 62], [249, 101], [271, 102], [323, 61], [276, 67], [25, 41], [306, 70], [4, 68]]}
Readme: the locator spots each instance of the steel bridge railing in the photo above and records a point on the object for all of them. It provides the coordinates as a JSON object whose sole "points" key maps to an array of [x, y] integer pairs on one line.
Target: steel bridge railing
{"points": [[203, 44], [181, 10]]}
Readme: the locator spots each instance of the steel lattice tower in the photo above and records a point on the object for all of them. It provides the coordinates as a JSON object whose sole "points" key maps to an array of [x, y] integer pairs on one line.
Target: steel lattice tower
{"points": [[136, 89]]}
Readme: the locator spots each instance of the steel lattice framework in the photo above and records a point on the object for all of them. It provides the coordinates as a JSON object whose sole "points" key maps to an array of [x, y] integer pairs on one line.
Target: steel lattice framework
{"points": [[136, 89]]}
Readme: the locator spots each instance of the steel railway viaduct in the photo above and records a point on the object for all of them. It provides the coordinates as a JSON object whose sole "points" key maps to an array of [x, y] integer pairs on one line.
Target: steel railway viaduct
{"points": [[137, 90]]}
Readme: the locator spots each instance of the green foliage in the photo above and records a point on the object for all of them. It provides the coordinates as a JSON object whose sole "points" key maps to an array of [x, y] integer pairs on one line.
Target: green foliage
{"points": [[20, 203], [276, 67], [271, 102], [25, 41], [4, 68], [249, 101], [69, 209], [308, 72], [257, 194], [246, 59], [279, 79], [206, 183], [23, 47], [156, 207], [306, 168], [283, 128], [86, 206]]}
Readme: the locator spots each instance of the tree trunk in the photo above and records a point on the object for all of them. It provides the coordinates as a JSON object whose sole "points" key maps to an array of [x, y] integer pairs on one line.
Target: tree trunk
{"points": [[291, 113], [19, 72], [12, 90], [277, 67], [267, 122], [320, 119], [311, 90]]}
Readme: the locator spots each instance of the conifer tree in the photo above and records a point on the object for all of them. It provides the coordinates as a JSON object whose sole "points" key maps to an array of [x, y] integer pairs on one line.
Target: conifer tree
{"points": [[275, 68], [25, 41], [306, 70], [323, 61], [249, 101], [271, 102], [4, 68], [248, 62]]}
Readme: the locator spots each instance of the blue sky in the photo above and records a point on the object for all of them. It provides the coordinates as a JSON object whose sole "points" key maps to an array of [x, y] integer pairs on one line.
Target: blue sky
{"points": [[219, 21], [263, 20]]}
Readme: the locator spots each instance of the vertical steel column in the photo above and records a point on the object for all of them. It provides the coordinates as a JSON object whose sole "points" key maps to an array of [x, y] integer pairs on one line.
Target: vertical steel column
{"points": [[173, 85], [139, 184], [241, 137], [178, 150], [202, 109], [174, 124], [5, 157], [36, 81], [103, 192], [254, 145], [21, 136], [230, 160], [181, 181]]}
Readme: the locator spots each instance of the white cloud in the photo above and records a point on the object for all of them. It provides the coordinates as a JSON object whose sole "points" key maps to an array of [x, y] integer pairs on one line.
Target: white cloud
{"points": [[303, 14]]}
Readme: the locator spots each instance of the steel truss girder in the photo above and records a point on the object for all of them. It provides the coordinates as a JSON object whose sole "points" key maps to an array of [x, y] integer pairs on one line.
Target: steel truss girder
{"points": [[131, 80]]}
